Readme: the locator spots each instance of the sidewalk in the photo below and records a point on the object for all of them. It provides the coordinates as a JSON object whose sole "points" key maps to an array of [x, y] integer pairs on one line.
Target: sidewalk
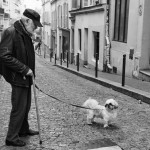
{"points": [[135, 88]]}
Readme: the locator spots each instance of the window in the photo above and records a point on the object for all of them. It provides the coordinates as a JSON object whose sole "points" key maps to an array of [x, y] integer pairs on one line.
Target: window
{"points": [[1, 3], [91, 2], [46, 17], [55, 19], [52, 20], [63, 15], [121, 20], [47, 39], [67, 19], [1, 20], [17, 11], [5, 2], [85, 3], [59, 16], [76, 4]]}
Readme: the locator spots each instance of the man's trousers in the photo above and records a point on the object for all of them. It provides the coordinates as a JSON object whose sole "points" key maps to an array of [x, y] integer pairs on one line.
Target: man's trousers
{"points": [[21, 103]]}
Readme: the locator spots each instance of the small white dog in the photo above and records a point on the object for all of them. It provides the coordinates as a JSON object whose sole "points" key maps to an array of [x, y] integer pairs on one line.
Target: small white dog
{"points": [[107, 113]]}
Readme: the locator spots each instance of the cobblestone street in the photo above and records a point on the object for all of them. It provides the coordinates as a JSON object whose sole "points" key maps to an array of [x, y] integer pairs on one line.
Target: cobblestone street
{"points": [[64, 127]]}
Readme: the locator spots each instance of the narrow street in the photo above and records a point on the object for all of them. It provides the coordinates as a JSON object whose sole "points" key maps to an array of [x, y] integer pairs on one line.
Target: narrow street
{"points": [[64, 127]]}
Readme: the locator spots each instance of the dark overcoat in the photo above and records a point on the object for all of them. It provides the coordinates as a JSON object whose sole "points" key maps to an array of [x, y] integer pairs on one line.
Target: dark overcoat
{"points": [[17, 55]]}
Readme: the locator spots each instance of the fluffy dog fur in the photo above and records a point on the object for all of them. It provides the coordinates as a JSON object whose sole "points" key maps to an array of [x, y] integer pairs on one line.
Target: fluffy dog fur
{"points": [[107, 113]]}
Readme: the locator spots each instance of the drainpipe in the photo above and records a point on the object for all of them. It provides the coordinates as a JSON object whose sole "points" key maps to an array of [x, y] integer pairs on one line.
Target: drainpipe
{"points": [[107, 64], [43, 30]]}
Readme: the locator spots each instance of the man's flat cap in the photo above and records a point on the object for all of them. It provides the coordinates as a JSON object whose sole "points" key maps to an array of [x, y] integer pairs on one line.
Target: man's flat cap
{"points": [[32, 14]]}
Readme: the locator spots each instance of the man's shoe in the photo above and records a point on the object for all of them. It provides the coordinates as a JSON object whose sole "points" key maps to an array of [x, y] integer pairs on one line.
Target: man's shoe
{"points": [[16, 143], [30, 133]]}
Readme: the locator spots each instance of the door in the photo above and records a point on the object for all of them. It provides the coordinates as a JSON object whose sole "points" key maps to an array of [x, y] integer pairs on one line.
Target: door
{"points": [[86, 46]]}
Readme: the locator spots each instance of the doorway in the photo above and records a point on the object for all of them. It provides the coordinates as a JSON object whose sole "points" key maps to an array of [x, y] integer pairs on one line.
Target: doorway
{"points": [[86, 46], [65, 48], [96, 44]]}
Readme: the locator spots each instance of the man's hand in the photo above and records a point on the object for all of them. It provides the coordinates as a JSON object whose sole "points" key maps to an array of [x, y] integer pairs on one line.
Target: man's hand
{"points": [[29, 73]]}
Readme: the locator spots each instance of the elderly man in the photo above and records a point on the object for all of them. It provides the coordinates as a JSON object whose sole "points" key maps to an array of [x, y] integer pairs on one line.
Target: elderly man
{"points": [[18, 66]]}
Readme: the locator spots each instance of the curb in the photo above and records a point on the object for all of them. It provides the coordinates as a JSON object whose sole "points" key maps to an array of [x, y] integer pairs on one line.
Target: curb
{"points": [[127, 90]]}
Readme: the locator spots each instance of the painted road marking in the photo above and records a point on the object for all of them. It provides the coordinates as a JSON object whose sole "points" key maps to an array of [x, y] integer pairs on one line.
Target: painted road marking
{"points": [[108, 148], [102, 144]]}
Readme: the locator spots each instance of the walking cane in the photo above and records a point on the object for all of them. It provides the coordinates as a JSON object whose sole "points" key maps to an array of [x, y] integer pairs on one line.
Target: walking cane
{"points": [[37, 111]]}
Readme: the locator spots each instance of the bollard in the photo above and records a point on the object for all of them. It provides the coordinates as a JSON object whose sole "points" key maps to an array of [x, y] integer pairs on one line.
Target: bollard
{"points": [[123, 70], [44, 53], [61, 59], [67, 60], [50, 54], [77, 61], [55, 59], [96, 66], [50, 57]]}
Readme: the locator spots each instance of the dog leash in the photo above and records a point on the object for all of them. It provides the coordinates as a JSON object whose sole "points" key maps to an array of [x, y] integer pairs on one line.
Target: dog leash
{"points": [[61, 100]]}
